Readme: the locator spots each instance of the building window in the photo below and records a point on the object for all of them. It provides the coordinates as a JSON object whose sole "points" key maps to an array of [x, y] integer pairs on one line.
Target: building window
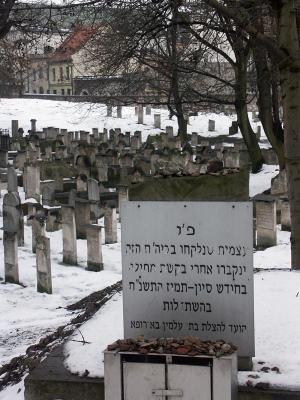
{"points": [[63, 92], [53, 74], [34, 91], [54, 91], [41, 90], [68, 72], [69, 92], [61, 73]]}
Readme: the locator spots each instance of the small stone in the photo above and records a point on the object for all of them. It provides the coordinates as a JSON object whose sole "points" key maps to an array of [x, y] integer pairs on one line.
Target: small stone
{"points": [[276, 369], [112, 347], [249, 383], [226, 348], [143, 351], [265, 369], [182, 350], [124, 347], [254, 376], [262, 385]]}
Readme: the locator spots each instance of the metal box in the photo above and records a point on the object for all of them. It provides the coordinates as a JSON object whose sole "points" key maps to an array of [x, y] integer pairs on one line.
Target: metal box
{"points": [[134, 376]]}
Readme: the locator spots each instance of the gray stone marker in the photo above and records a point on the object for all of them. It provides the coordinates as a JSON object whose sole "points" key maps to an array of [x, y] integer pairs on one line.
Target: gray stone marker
{"points": [[95, 132], [3, 158], [32, 181], [285, 215], [110, 224], [82, 217], [94, 248], [12, 180], [148, 110], [109, 110], [169, 131], [69, 235], [194, 140], [122, 196], [188, 271], [119, 111], [14, 128], [10, 244], [211, 125], [11, 221], [140, 114], [33, 125], [266, 233], [43, 264], [157, 121], [38, 229]]}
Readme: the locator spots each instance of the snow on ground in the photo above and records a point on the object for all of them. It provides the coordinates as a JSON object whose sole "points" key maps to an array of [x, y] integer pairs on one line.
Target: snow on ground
{"points": [[85, 116], [262, 181], [277, 333], [27, 315]]}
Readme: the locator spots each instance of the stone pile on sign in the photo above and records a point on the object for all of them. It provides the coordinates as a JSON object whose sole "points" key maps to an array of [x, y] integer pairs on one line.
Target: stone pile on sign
{"points": [[186, 346]]}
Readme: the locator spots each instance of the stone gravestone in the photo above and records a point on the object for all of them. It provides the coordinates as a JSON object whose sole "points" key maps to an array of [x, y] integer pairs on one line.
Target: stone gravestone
{"points": [[285, 215], [69, 235], [110, 224], [11, 226], [14, 128], [265, 206], [43, 264], [140, 114], [188, 271], [119, 111], [211, 125], [94, 249], [157, 121]]}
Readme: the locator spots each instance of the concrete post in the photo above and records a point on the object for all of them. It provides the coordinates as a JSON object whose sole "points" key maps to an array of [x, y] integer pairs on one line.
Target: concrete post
{"points": [[119, 111], [94, 249], [82, 217], [14, 128], [33, 125], [285, 215], [140, 114], [10, 244], [109, 110], [110, 224], [38, 229], [211, 125], [122, 196], [169, 131], [157, 121], [69, 235], [43, 264]]}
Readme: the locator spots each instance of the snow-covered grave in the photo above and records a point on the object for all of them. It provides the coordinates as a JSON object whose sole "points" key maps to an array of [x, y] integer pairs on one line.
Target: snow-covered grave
{"points": [[27, 316]]}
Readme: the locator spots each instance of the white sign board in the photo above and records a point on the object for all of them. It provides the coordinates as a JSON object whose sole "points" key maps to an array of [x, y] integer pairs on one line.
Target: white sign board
{"points": [[188, 270]]}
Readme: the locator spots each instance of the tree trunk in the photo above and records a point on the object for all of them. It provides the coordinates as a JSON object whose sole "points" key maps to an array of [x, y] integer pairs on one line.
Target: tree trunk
{"points": [[290, 84], [265, 103], [249, 136]]}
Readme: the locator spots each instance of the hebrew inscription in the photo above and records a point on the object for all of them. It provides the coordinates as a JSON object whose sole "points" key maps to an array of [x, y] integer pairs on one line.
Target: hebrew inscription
{"points": [[188, 270]]}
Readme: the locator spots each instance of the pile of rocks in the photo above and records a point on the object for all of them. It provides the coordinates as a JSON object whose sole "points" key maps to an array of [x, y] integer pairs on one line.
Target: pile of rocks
{"points": [[191, 346]]}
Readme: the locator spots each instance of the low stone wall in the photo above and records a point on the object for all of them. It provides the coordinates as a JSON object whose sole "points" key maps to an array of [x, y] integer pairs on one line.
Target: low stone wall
{"points": [[230, 187]]}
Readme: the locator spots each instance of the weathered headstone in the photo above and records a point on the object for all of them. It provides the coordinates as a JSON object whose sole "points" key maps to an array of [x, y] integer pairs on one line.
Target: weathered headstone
{"points": [[94, 249], [43, 264], [122, 196], [194, 139], [109, 111], [14, 128], [285, 215], [33, 125], [3, 158], [211, 125], [169, 131], [186, 273], [140, 114], [82, 217], [10, 244], [148, 110], [12, 180], [157, 121], [265, 206], [119, 111], [69, 235], [38, 229], [110, 224]]}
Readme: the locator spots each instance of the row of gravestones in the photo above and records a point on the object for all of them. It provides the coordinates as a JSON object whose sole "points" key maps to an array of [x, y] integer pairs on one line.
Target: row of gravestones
{"points": [[13, 227]]}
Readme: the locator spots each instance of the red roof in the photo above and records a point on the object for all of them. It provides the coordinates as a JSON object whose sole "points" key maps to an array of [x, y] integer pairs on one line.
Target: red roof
{"points": [[72, 43]]}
